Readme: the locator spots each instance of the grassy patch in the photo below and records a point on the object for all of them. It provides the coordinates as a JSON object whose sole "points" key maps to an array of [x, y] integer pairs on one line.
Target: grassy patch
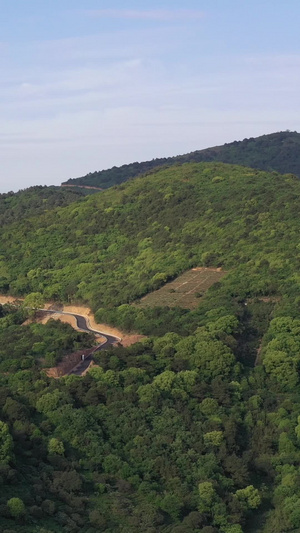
{"points": [[185, 291]]}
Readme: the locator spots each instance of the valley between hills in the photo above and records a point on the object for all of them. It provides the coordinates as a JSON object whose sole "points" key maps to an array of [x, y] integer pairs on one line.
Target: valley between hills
{"points": [[196, 426]]}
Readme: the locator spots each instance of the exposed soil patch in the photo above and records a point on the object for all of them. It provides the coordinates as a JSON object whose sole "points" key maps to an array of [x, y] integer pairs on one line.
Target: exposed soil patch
{"points": [[86, 312], [82, 187], [67, 319], [185, 291], [125, 338], [8, 299], [128, 340], [68, 363]]}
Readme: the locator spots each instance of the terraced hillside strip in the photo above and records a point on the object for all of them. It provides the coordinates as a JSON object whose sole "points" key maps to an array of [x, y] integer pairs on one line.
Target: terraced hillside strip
{"points": [[185, 291]]}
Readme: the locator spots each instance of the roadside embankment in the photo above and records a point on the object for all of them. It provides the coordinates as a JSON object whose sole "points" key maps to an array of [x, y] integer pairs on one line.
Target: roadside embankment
{"points": [[126, 339]]}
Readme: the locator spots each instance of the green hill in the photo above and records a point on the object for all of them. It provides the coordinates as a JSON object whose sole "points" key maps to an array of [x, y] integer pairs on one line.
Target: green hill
{"points": [[116, 246], [211, 214], [196, 429], [275, 152], [34, 201]]}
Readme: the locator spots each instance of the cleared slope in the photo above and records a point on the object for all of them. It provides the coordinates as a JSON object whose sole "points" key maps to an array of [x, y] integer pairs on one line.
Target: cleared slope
{"points": [[275, 152], [185, 290]]}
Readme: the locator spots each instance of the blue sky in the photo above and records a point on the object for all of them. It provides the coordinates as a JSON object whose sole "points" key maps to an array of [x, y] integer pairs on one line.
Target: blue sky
{"points": [[89, 85]]}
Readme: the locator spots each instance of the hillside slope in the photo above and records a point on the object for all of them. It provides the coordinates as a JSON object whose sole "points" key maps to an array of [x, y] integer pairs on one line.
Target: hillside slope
{"points": [[197, 427], [34, 201], [275, 152], [116, 246]]}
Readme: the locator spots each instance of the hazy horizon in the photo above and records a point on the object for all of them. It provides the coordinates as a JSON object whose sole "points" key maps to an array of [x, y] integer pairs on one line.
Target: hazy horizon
{"points": [[90, 88]]}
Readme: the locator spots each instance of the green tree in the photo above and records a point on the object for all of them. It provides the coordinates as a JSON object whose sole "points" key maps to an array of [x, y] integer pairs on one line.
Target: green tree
{"points": [[16, 507], [6, 444], [207, 496], [249, 496], [209, 407], [285, 445], [282, 368], [213, 438], [164, 381], [55, 446], [51, 401], [32, 302], [234, 528]]}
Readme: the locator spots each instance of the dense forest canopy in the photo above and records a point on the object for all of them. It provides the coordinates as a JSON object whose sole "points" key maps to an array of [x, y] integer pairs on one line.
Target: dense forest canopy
{"points": [[275, 152], [34, 201], [197, 427], [115, 246]]}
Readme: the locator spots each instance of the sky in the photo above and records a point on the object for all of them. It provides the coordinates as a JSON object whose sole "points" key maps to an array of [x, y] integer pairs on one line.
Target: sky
{"points": [[87, 85]]}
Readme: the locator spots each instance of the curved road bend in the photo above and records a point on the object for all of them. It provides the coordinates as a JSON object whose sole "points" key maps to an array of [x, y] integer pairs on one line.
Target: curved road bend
{"points": [[82, 324]]}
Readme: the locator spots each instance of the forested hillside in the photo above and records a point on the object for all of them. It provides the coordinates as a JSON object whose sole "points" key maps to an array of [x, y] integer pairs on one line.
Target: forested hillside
{"points": [[115, 246], [34, 201], [275, 152], [197, 427]]}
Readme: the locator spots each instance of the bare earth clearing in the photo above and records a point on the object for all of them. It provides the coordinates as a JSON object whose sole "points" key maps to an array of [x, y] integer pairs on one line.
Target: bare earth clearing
{"points": [[7, 299], [185, 290]]}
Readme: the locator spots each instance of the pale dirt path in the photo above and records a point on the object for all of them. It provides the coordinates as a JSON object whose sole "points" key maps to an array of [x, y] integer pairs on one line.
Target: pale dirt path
{"points": [[125, 339], [67, 319], [7, 299], [87, 313]]}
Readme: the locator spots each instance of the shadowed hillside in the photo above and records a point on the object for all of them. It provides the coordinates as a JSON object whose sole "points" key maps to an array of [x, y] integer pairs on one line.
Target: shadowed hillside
{"points": [[275, 152]]}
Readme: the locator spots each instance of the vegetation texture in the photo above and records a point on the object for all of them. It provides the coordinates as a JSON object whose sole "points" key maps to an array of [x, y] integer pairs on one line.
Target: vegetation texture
{"points": [[197, 427], [33, 201]]}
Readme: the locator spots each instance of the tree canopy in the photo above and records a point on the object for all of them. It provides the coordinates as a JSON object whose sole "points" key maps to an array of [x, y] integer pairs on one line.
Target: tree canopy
{"points": [[196, 428]]}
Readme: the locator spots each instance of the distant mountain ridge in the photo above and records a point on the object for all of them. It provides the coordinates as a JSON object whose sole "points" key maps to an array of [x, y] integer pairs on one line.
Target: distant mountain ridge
{"points": [[278, 152]]}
